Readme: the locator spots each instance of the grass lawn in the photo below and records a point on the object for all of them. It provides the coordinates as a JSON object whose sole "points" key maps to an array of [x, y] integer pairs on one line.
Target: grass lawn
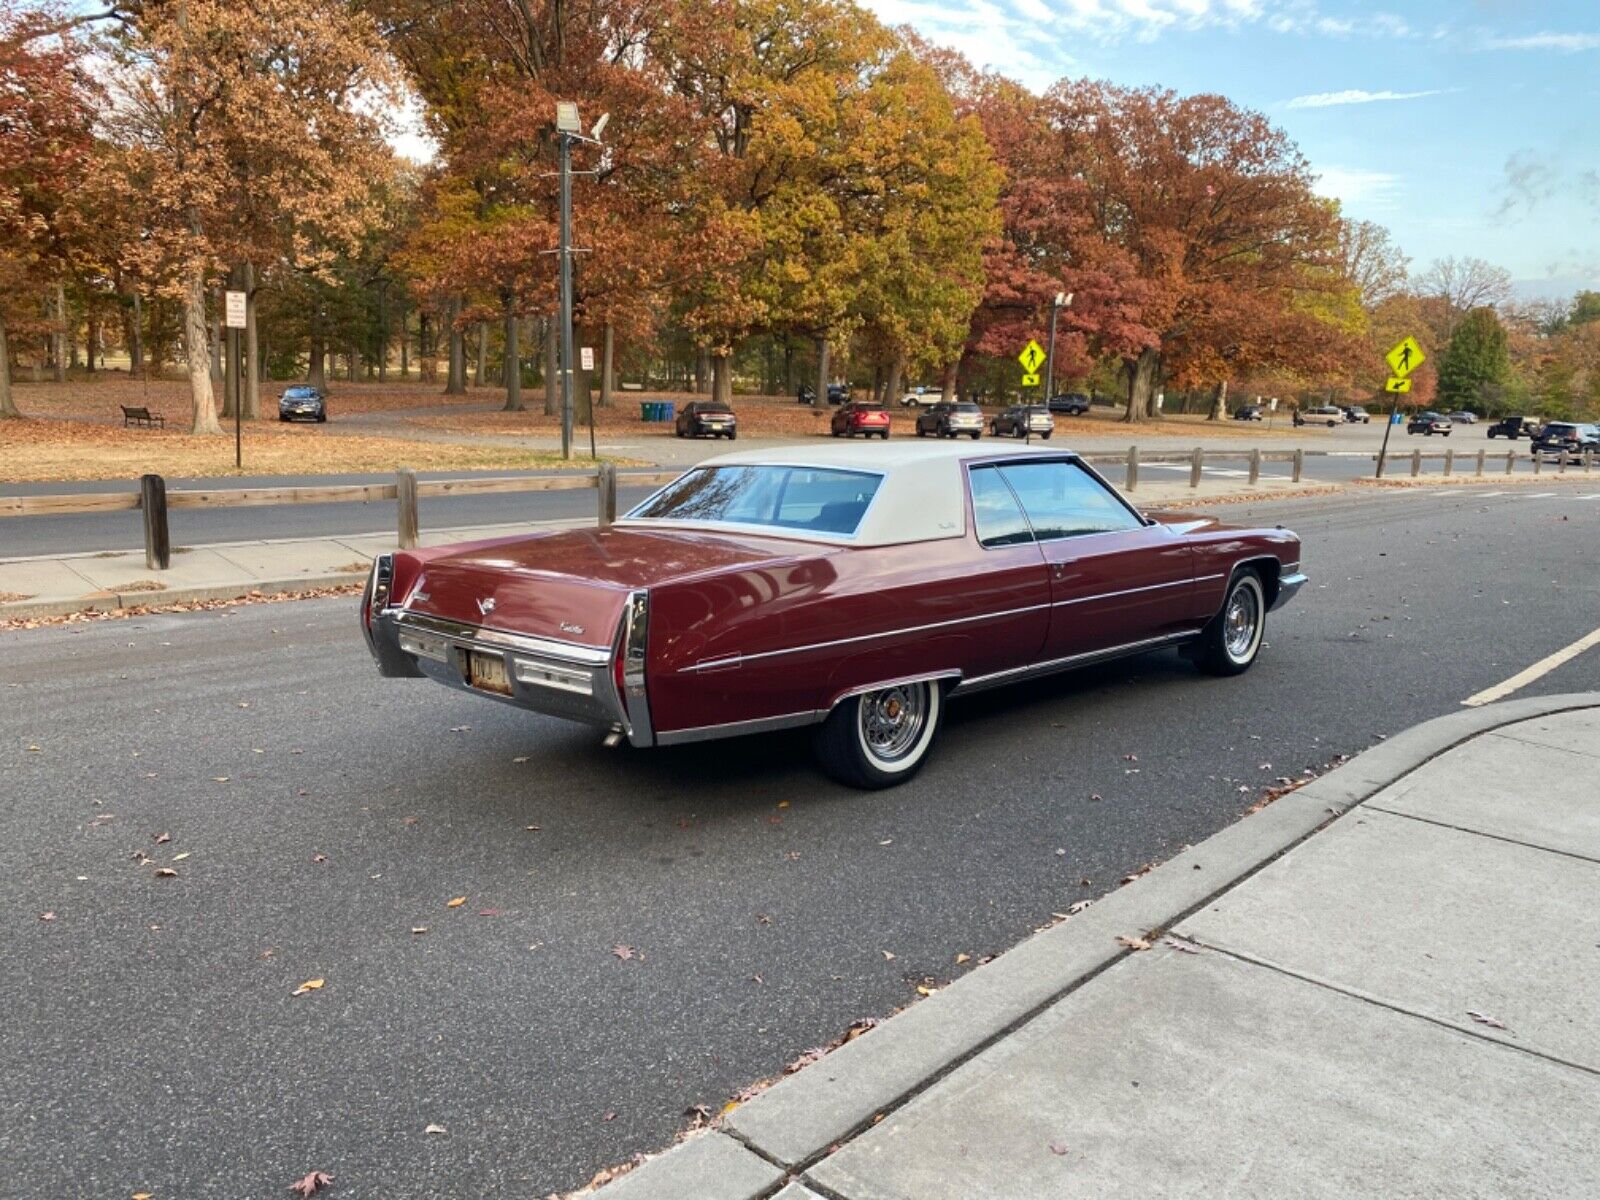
{"points": [[75, 431]]}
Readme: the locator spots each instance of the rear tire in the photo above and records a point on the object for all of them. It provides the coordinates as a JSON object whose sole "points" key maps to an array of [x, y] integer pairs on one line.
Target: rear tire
{"points": [[880, 739], [1230, 641]]}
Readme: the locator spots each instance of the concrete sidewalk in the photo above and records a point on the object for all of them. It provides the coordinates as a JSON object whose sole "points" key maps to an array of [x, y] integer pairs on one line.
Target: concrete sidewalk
{"points": [[49, 586], [1385, 984]]}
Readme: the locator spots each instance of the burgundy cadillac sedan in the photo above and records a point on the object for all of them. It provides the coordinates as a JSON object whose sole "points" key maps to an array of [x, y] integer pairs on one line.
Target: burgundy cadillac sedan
{"points": [[853, 590]]}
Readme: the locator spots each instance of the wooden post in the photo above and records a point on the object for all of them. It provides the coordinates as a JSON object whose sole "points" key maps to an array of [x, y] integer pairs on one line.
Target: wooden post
{"points": [[1255, 466], [1449, 461], [1194, 466], [153, 503], [1561, 462], [405, 481], [1538, 462], [1481, 454], [1132, 480], [606, 482], [1416, 463], [1511, 458], [1299, 464]]}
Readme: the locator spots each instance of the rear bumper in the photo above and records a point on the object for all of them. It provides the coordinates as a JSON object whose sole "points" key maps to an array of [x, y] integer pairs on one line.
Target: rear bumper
{"points": [[559, 679]]}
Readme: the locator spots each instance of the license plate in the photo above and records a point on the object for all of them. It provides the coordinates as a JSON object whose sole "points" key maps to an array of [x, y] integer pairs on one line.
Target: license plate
{"points": [[488, 672]]}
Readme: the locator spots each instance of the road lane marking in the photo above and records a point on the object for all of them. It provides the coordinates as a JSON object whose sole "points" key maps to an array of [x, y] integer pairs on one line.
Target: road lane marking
{"points": [[1539, 669]]}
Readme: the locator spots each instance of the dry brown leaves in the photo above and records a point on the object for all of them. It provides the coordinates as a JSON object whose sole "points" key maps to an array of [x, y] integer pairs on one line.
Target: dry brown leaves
{"points": [[311, 1183], [182, 606]]}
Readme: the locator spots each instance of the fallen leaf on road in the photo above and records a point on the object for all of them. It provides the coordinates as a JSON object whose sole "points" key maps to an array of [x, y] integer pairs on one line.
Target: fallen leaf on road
{"points": [[532, 828], [459, 728], [888, 956], [409, 820], [924, 990], [1058, 1147], [488, 912], [1134, 943], [419, 929], [456, 903], [219, 779], [180, 857], [961, 958], [32, 749], [435, 1129], [623, 952], [610, 1116], [1486, 1019], [47, 916], [887, 842], [310, 985], [141, 1196], [313, 1182], [319, 858], [521, 758], [166, 873], [161, 839], [1181, 947], [783, 804]]}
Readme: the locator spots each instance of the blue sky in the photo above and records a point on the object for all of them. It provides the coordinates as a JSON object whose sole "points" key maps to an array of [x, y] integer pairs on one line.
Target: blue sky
{"points": [[1465, 126]]}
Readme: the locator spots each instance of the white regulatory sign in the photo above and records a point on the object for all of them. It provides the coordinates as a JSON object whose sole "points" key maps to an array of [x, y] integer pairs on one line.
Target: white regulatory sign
{"points": [[586, 358], [235, 310]]}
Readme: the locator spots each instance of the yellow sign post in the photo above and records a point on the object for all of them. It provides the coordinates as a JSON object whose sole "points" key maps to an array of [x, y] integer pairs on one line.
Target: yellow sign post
{"points": [[1405, 358], [1031, 358]]}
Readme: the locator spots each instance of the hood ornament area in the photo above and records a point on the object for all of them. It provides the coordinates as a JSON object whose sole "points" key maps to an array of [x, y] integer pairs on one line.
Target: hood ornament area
{"points": [[486, 605]]}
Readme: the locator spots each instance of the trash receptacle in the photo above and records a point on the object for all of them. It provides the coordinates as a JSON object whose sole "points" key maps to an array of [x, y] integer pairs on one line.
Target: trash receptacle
{"points": [[669, 410], [1397, 419], [644, 410]]}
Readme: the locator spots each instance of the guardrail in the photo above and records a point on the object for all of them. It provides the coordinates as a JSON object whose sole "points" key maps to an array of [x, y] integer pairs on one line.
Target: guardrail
{"points": [[153, 500]]}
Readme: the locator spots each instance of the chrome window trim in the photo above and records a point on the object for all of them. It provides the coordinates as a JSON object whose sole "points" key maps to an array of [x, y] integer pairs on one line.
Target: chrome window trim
{"points": [[485, 637], [1087, 658]]}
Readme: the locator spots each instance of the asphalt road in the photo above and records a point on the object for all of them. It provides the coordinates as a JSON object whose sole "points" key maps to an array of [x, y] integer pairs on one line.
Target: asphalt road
{"points": [[1346, 454], [153, 1041]]}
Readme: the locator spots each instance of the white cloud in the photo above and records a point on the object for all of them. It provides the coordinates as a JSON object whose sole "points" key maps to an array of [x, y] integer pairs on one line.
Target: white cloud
{"points": [[1357, 96], [1569, 43], [1355, 185]]}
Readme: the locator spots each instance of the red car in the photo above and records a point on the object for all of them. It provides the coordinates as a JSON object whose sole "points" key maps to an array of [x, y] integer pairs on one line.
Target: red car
{"points": [[857, 592], [854, 418]]}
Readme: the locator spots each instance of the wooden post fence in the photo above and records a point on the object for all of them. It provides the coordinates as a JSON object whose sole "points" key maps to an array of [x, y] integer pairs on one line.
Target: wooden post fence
{"points": [[1299, 464], [1132, 480], [1255, 466], [153, 506], [1194, 466], [606, 482], [406, 507]]}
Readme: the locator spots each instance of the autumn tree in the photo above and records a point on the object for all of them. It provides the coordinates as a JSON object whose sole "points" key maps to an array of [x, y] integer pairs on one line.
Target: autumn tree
{"points": [[1371, 261], [249, 139], [1476, 361], [45, 142], [1463, 284]]}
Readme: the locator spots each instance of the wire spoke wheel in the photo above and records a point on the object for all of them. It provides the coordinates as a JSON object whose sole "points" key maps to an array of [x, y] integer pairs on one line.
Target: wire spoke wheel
{"points": [[1241, 622], [891, 721]]}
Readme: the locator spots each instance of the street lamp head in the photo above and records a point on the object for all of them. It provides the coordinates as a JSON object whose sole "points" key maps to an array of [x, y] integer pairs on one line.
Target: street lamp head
{"points": [[1061, 300], [600, 126], [567, 117]]}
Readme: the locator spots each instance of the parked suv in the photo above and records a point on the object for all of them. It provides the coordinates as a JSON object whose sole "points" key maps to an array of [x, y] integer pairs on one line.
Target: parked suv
{"points": [[1250, 412], [1020, 420], [1464, 416], [707, 418], [949, 418], [1430, 423], [863, 417], [1563, 438], [302, 403], [1072, 404], [1515, 427]]}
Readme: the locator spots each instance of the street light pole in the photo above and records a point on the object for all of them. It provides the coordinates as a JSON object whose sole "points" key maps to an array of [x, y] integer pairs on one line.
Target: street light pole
{"points": [[565, 138], [1062, 300]]}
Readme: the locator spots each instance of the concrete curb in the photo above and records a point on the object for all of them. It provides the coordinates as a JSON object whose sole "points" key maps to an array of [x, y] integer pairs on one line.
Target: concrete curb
{"points": [[803, 1116], [22, 610]]}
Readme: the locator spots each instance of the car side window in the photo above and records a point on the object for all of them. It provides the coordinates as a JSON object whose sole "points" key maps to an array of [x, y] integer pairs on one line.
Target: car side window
{"points": [[1063, 500], [995, 510]]}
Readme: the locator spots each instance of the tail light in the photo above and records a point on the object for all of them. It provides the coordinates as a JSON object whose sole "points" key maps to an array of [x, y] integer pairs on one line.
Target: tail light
{"points": [[382, 582], [628, 667]]}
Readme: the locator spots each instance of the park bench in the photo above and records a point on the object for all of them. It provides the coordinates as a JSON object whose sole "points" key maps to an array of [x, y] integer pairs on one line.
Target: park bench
{"points": [[141, 416]]}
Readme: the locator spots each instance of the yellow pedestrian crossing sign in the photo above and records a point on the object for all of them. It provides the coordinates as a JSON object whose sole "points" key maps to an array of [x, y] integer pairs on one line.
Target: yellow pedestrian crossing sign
{"points": [[1404, 359], [1031, 358], [1030, 380], [1398, 386]]}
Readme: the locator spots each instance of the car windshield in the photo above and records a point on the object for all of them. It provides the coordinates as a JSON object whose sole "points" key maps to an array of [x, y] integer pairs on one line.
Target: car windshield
{"points": [[817, 499], [299, 393]]}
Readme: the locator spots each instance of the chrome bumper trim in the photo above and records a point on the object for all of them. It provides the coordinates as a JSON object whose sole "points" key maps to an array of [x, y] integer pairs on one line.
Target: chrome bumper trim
{"points": [[1288, 585], [486, 637]]}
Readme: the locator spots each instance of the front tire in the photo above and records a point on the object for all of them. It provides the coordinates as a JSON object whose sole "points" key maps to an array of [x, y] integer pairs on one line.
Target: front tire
{"points": [[1230, 641], [881, 738]]}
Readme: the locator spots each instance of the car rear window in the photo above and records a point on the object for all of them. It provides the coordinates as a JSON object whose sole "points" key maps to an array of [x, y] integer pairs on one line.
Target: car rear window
{"points": [[965, 408], [1561, 430], [817, 499], [713, 408], [875, 408]]}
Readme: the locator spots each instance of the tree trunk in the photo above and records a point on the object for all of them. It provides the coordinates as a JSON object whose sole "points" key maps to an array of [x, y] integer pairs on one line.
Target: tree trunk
{"points": [[1219, 402], [197, 354], [92, 319], [455, 383], [722, 378], [427, 367], [513, 361], [897, 369], [405, 345], [480, 366], [552, 352], [822, 372], [948, 380], [702, 371], [788, 365], [317, 372], [59, 337], [8, 404], [1141, 373], [135, 338], [608, 350]]}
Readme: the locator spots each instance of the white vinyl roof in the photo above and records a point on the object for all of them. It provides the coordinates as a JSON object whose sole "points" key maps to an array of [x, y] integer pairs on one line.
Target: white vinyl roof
{"points": [[922, 496]]}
